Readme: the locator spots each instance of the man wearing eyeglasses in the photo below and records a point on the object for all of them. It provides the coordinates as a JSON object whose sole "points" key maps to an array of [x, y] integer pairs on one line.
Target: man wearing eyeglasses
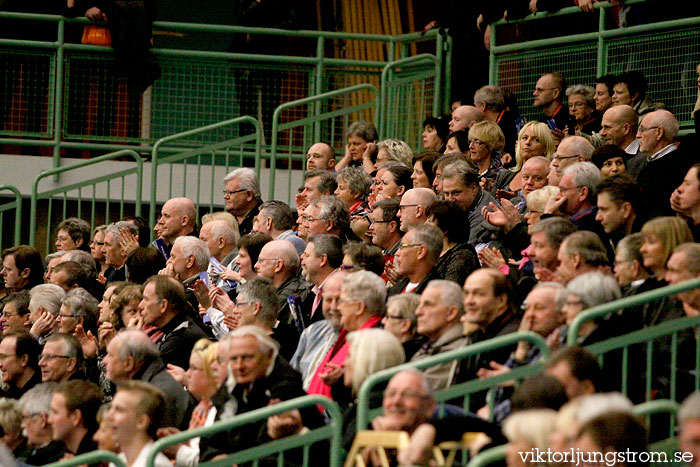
{"points": [[666, 165], [413, 206], [572, 149], [242, 197], [36, 405], [61, 359], [548, 97], [416, 259]]}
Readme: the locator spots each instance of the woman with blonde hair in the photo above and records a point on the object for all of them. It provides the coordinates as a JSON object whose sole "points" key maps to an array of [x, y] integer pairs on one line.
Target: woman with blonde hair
{"points": [[528, 431], [486, 141], [661, 236]]}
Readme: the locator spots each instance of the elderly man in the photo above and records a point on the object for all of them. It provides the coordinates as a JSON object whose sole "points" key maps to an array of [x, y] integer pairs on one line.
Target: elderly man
{"points": [[73, 416], [242, 197], [666, 165], [361, 305], [489, 311], [620, 211], [534, 174], [61, 359], [401, 412], [114, 251], [491, 101], [132, 355], [220, 239], [19, 366], [619, 127], [546, 238], [683, 265], [416, 258], [276, 220], [579, 253], [316, 340], [328, 214], [36, 406], [44, 305], [323, 255], [413, 205], [572, 149], [320, 156], [685, 200], [464, 116], [279, 262], [689, 421], [549, 98], [629, 269], [15, 314], [438, 315], [22, 268], [178, 217], [460, 184], [259, 376], [384, 230], [164, 305], [189, 256], [73, 234]]}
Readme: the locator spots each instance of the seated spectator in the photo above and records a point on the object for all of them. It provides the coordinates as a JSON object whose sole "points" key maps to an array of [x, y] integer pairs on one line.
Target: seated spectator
{"points": [[178, 218], [73, 234], [437, 319], [603, 93], [318, 338], [61, 359], [434, 134], [19, 365], [135, 414], [35, 405], [328, 214], [423, 175], [464, 117], [395, 181], [10, 423], [416, 259], [413, 206], [661, 236], [323, 255], [276, 220], [685, 200], [221, 240], [408, 402], [580, 253], [132, 355], [50, 262], [242, 197], [78, 308], [69, 275], [44, 305], [353, 188], [610, 160], [73, 416], [114, 251], [143, 263], [22, 268], [15, 314], [528, 431], [684, 265], [104, 436], [572, 149], [486, 142], [361, 305], [584, 119], [630, 88], [491, 101], [613, 432], [689, 421], [392, 150], [458, 258], [534, 140], [629, 269], [401, 320], [361, 256], [577, 369], [320, 156], [620, 207], [546, 238], [549, 98], [98, 238], [619, 128], [443, 162], [360, 150], [457, 142], [384, 230]]}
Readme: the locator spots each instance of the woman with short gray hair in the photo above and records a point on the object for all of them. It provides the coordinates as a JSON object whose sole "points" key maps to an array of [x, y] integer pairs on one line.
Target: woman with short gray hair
{"points": [[584, 118]]}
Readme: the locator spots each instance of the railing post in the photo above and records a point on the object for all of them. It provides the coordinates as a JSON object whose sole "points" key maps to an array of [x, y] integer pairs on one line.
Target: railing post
{"points": [[319, 85], [493, 72], [439, 78], [601, 61], [58, 98]]}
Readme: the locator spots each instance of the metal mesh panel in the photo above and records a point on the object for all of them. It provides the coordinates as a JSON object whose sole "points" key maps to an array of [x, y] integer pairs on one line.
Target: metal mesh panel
{"points": [[339, 78], [409, 101], [670, 69], [98, 104], [26, 92], [519, 72]]}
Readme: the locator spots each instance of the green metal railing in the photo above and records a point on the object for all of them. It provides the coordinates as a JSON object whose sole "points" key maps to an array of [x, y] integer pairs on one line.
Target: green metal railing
{"points": [[490, 456], [331, 433], [459, 390], [93, 457], [670, 69], [211, 161], [322, 121], [410, 93], [197, 87], [17, 206], [99, 192], [647, 337]]}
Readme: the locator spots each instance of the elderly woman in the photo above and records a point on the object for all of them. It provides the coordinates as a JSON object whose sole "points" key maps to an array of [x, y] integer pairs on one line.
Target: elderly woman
{"points": [[363, 256], [527, 431], [610, 159], [392, 150], [353, 189], [395, 181], [423, 174], [435, 130], [486, 142], [535, 139], [400, 320], [582, 109], [360, 137], [202, 381]]}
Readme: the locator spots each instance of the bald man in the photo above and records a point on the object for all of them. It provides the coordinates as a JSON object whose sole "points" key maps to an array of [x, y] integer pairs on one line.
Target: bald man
{"points": [[320, 156], [413, 206], [221, 240], [619, 127], [177, 219], [464, 116], [549, 98], [279, 262], [666, 165]]}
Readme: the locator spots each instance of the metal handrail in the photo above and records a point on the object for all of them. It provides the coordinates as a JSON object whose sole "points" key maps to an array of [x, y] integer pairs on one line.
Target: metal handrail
{"points": [[18, 210], [88, 458]]}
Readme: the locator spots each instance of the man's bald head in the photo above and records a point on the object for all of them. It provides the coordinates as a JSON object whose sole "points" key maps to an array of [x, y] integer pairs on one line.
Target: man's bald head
{"points": [[464, 116], [415, 202], [619, 125], [657, 130], [178, 218], [184, 207], [278, 260], [320, 156]]}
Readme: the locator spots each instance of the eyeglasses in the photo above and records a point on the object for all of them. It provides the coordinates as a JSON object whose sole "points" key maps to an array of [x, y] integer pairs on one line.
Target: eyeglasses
{"points": [[403, 394], [379, 222], [409, 245], [229, 193], [29, 415], [642, 129], [394, 317], [267, 259], [561, 158], [62, 315], [51, 356], [97, 243], [538, 90], [404, 206], [9, 315], [310, 219], [476, 142], [237, 303]]}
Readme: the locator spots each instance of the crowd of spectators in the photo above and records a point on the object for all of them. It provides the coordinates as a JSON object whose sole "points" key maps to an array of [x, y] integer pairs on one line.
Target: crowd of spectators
{"points": [[387, 257]]}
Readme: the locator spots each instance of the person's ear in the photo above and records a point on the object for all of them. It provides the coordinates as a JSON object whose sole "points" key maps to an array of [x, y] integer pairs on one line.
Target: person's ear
{"points": [[324, 260], [25, 273], [72, 363], [256, 308], [401, 191], [279, 265], [423, 252], [576, 259], [419, 211], [627, 209], [406, 326], [331, 225], [78, 242], [142, 422]]}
